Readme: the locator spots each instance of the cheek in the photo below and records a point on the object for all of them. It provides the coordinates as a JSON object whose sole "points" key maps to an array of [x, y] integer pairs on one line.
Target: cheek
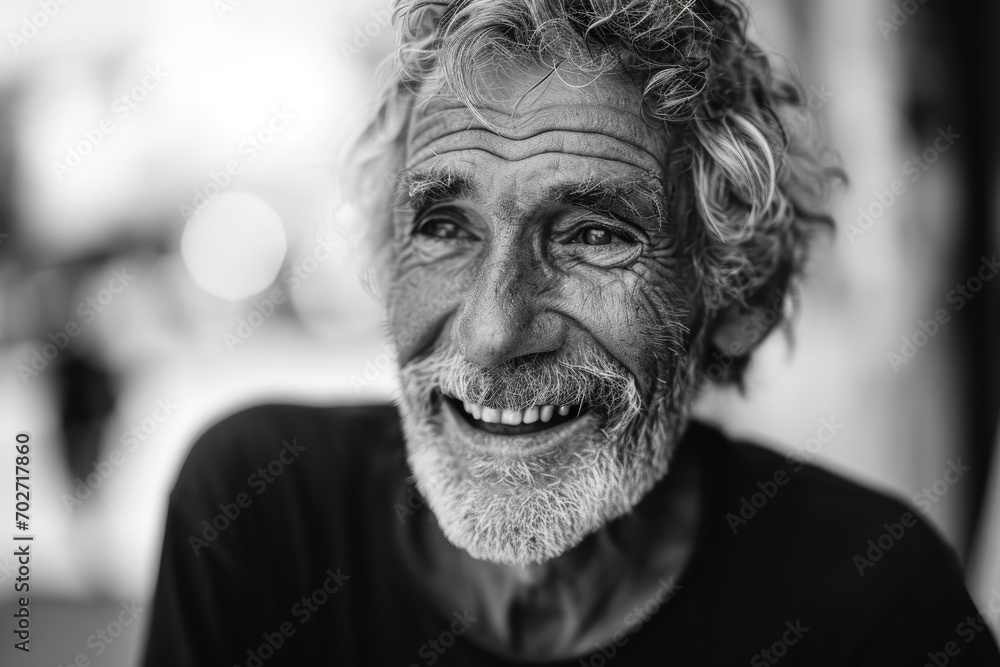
{"points": [[631, 313], [424, 292]]}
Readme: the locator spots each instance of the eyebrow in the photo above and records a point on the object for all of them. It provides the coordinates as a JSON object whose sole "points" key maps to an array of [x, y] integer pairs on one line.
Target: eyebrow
{"points": [[421, 189], [635, 201]]}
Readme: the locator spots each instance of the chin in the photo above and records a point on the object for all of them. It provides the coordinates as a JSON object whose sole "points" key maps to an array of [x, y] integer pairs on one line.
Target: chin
{"points": [[525, 493]]}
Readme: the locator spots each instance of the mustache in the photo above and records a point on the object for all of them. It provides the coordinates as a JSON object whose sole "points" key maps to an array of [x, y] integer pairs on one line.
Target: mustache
{"points": [[587, 377]]}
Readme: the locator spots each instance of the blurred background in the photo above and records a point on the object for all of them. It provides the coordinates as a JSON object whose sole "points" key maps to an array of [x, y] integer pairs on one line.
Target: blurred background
{"points": [[173, 247]]}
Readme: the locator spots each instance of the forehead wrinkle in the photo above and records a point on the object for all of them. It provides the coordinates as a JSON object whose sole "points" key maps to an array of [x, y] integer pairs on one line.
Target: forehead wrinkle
{"points": [[594, 145], [625, 125], [618, 161], [605, 131]]}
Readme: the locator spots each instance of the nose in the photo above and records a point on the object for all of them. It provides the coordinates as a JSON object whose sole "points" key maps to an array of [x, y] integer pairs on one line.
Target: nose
{"points": [[505, 312]]}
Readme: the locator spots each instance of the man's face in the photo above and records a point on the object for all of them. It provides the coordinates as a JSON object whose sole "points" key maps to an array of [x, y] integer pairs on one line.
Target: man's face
{"points": [[539, 302]]}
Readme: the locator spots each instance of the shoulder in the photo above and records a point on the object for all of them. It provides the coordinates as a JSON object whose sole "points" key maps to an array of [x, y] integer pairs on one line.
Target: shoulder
{"points": [[860, 563], [825, 509], [249, 449], [813, 513], [266, 499]]}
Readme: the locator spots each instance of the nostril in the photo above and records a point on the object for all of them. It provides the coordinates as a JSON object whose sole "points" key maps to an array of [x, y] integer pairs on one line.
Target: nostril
{"points": [[488, 338]]}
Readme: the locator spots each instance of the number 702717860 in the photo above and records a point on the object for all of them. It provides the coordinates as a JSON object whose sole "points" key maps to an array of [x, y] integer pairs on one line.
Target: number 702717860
{"points": [[22, 478]]}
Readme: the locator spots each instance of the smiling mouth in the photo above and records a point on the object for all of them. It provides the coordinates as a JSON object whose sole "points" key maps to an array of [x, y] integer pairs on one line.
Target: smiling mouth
{"points": [[533, 419]]}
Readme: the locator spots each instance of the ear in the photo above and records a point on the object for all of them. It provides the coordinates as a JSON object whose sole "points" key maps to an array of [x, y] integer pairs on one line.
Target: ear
{"points": [[738, 330]]}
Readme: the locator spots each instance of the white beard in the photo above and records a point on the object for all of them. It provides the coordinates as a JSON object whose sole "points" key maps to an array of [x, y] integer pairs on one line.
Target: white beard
{"points": [[528, 508]]}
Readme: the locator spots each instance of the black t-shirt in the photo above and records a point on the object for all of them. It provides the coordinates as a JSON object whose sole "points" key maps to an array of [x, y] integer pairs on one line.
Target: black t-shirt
{"points": [[793, 565]]}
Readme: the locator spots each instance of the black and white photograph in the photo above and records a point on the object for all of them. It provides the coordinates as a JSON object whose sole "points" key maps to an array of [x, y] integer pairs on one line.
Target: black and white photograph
{"points": [[474, 333]]}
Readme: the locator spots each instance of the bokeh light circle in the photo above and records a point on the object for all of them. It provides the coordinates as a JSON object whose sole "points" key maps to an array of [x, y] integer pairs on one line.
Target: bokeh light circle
{"points": [[234, 246]]}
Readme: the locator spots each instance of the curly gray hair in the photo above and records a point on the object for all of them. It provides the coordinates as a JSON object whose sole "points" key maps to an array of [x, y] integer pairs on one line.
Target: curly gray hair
{"points": [[751, 179]]}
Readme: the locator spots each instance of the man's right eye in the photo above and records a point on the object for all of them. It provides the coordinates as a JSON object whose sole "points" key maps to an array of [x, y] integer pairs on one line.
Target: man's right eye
{"points": [[442, 228]]}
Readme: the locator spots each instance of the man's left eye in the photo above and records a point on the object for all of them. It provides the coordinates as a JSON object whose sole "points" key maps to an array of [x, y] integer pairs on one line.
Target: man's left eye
{"points": [[599, 235]]}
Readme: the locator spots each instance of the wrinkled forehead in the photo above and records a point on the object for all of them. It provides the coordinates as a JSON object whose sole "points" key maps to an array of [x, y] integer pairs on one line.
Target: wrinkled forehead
{"points": [[593, 120]]}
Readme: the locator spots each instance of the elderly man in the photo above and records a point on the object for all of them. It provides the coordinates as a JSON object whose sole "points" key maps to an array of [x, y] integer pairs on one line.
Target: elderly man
{"points": [[594, 204]]}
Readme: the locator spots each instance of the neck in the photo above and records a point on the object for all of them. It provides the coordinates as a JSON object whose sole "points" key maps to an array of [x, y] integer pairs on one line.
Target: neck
{"points": [[563, 607]]}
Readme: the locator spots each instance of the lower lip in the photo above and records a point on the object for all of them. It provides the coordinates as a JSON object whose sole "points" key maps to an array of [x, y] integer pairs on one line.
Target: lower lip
{"points": [[529, 443]]}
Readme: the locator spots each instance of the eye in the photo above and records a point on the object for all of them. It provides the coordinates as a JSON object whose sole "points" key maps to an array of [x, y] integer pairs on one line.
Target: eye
{"points": [[598, 244], [599, 235], [440, 229], [443, 228]]}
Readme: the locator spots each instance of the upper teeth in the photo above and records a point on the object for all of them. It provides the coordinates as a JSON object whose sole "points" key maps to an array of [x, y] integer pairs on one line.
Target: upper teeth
{"points": [[515, 417]]}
